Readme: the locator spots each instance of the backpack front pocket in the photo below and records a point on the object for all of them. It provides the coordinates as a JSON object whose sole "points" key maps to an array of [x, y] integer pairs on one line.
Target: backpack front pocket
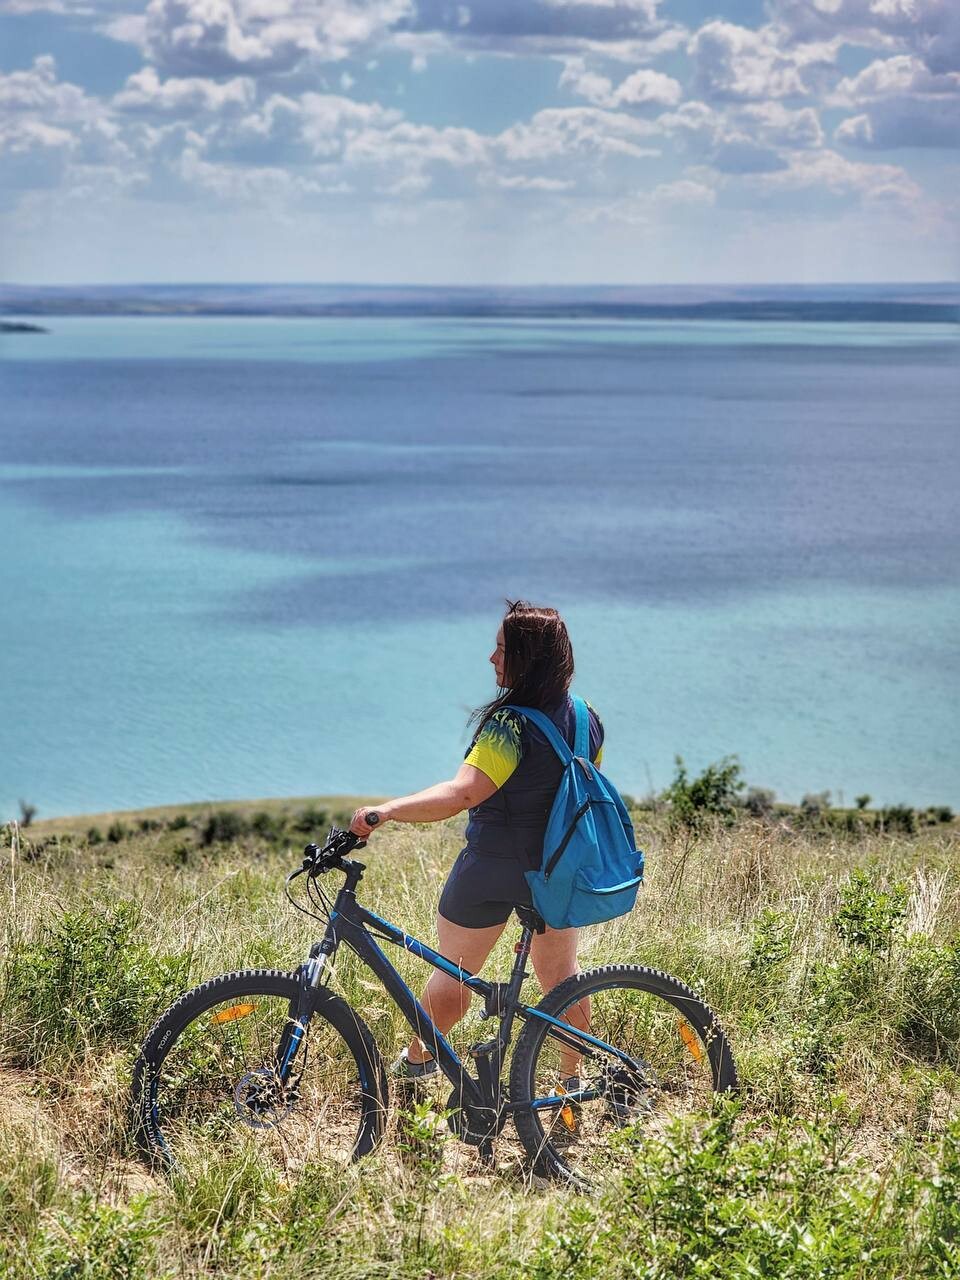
{"points": [[591, 903]]}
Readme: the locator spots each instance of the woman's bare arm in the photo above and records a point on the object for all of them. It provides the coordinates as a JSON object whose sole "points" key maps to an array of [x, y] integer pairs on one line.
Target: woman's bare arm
{"points": [[470, 786]]}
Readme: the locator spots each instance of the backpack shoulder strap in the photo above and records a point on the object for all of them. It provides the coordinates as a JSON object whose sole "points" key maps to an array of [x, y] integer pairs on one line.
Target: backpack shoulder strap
{"points": [[581, 741], [548, 729]]}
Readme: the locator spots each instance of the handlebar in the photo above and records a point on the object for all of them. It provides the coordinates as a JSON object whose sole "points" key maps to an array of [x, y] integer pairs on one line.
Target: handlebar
{"points": [[318, 859]]}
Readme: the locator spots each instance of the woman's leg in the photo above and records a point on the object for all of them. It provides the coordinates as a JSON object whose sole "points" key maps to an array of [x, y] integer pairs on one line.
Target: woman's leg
{"points": [[554, 956], [445, 999]]}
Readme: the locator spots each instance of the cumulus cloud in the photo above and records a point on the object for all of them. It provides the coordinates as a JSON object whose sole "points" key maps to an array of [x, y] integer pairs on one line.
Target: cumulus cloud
{"points": [[928, 28], [683, 191], [223, 37], [560, 132], [907, 105], [645, 208], [743, 138], [644, 88], [737, 64], [626, 30], [146, 92], [778, 126], [39, 90], [829, 171]]}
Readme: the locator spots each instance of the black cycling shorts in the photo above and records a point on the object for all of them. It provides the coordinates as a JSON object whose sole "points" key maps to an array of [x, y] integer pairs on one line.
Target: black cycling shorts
{"points": [[482, 889]]}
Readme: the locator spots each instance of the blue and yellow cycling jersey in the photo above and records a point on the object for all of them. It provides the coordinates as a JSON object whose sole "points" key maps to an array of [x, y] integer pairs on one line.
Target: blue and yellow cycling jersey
{"points": [[517, 758], [498, 749]]}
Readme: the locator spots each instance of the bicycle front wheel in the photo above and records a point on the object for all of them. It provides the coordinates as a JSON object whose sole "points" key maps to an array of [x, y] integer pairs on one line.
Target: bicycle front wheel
{"points": [[656, 1051], [226, 1066]]}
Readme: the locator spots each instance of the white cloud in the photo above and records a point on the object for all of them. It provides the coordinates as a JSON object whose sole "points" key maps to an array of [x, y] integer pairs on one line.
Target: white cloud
{"points": [[889, 77], [146, 92], [644, 88], [558, 132], [778, 126], [522, 182], [39, 90], [928, 28], [646, 208], [737, 64], [743, 138], [221, 37], [831, 172], [683, 191], [907, 105]]}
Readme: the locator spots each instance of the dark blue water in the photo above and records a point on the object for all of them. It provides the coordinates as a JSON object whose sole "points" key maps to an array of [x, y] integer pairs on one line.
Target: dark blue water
{"points": [[253, 557]]}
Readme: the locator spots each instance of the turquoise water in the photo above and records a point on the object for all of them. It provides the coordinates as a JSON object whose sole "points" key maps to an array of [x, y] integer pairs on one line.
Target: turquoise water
{"points": [[264, 557]]}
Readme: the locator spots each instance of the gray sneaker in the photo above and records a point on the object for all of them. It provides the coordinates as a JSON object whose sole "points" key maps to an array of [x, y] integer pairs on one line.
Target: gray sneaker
{"points": [[412, 1075]]}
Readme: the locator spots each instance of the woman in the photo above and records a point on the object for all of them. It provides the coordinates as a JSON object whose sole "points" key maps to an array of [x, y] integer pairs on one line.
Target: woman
{"points": [[508, 780]]}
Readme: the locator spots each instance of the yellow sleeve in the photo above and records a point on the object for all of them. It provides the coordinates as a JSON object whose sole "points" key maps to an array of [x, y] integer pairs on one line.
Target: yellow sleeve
{"points": [[497, 748]]}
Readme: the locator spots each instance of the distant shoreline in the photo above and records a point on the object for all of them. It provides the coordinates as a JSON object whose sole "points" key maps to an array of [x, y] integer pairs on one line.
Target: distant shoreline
{"points": [[901, 303]]}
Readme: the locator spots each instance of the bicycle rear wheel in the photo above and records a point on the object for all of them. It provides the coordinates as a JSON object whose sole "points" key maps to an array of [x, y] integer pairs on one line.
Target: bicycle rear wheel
{"points": [[211, 1073], [667, 1055]]}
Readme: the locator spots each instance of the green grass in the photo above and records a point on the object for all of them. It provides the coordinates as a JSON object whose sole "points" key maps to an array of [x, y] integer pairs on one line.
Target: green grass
{"points": [[831, 956]]}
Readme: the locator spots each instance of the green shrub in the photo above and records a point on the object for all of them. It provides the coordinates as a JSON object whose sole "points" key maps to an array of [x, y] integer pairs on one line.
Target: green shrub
{"points": [[930, 1016], [311, 821], [222, 827], [713, 794], [731, 1200], [94, 836], [116, 832], [89, 978], [268, 826], [96, 1242], [898, 817], [178, 822], [760, 802], [868, 915]]}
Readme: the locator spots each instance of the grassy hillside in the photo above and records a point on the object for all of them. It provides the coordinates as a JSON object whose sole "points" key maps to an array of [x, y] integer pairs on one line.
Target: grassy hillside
{"points": [[832, 955]]}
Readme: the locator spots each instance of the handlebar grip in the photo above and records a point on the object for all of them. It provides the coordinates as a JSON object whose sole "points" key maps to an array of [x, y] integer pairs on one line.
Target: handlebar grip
{"points": [[371, 818]]}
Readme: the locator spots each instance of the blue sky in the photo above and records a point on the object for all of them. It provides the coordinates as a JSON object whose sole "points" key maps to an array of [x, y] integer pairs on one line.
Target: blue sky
{"points": [[498, 141]]}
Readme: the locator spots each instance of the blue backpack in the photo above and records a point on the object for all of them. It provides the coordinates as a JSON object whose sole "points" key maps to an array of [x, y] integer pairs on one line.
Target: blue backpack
{"points": [[591, 867]]}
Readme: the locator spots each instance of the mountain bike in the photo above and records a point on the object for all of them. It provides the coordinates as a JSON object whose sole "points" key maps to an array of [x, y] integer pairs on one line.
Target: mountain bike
{"points": [[607, 1055]]}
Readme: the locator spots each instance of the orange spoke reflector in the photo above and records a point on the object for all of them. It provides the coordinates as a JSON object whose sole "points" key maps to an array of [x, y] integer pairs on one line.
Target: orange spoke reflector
{"points": [[234, 1013], [568, 1118], [690, 1040]]}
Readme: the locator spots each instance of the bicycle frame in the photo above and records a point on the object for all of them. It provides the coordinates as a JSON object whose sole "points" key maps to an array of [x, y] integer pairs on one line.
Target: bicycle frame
{"points": [[352, 923]]}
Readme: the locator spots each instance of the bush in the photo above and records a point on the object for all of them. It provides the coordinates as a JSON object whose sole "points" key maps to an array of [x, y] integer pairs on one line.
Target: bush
{"points": [[868, 915], [222, 827], [311, 821], [89, 978], [714, 794], [94, 836], [815, 806], [268, 826], [931, 998], [899, 817], [96, 1242], [760, 802], [178, 822], [116, 832]]}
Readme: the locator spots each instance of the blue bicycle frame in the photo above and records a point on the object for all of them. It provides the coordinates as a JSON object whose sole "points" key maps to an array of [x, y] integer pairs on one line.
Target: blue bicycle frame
{"points": [[482, 1098]]}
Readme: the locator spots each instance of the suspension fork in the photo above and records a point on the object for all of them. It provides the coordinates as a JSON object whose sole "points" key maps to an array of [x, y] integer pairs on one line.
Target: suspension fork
{"points": [[299, 1010]]}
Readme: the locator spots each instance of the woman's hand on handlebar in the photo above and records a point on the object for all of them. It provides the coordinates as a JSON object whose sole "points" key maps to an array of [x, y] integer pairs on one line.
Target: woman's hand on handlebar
{"points": [[365, 821]]}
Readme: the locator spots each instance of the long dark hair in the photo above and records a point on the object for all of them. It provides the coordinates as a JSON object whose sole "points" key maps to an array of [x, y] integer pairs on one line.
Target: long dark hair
{"points": [[537, 660]]}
